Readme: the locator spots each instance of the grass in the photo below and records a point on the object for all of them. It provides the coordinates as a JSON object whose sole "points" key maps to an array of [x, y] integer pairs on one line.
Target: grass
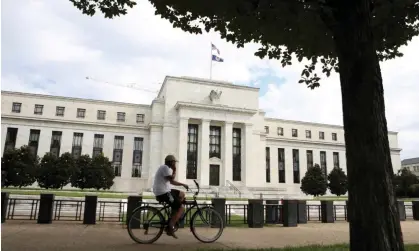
{"points": [[339, 247]]}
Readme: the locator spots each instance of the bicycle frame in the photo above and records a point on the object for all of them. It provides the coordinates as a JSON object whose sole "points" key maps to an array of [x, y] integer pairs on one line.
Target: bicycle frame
{"points": [[166, 208]]}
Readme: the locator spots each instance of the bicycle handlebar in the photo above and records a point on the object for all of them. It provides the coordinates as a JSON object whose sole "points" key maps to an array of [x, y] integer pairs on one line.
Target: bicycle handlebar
{"points": [[197, 186]]}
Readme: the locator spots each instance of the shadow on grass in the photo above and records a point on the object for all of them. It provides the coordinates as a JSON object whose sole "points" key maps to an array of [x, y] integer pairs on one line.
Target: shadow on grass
{"points": [[339, 247]]}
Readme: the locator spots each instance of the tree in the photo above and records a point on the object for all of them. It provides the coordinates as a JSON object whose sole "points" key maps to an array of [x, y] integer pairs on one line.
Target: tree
{"points": [[81, 177], [414, 191], [103, 172], [338, 182], [67, 167], [19, 166], [347, 36], [47, 177], [55, 172], [403, 181], [314, 181]]}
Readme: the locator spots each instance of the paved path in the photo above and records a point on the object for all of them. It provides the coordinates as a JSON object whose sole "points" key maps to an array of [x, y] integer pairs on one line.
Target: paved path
{"points": [[17, 236]]}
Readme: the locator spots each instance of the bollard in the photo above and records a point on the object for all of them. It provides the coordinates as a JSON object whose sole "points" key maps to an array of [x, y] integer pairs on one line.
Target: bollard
{"points": [[255, 214], [90, 207], [402, 210], [219, 205], [46, 206], [290, 213], [415, 210], [302, 212], [133, 203], [4, 204], [327, 212]]}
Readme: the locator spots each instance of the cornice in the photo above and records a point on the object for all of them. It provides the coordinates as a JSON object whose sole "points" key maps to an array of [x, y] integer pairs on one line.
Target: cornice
{"points": [[180, 105], [72, 99]]}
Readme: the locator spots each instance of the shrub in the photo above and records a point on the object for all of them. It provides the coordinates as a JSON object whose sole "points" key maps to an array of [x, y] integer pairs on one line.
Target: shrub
{"points": [[314, 182], [19, 167], [338, 181]]}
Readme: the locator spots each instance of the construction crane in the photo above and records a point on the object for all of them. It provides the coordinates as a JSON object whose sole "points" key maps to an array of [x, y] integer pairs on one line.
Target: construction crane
{"points": [[129, 85]]}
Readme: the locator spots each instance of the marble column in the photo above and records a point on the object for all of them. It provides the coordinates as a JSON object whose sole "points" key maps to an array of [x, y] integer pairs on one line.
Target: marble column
{"points": [[247, 153], [203, 154], [227, 153], [155, 147], [182, 149]]}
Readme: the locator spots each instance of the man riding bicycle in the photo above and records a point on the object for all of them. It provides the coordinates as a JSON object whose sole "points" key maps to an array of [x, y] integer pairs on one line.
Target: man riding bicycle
{"points": [[165, 176]]}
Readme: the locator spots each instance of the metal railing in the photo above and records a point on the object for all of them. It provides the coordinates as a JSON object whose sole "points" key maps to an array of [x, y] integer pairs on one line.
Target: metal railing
{"points": [[116, 211]]}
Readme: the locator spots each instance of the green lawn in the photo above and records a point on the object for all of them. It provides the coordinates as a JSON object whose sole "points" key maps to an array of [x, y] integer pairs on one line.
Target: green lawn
{"points": [[340, 247]]}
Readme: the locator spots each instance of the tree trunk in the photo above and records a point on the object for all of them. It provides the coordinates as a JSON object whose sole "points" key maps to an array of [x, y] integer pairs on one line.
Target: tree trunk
{"points": [[373, 211]]}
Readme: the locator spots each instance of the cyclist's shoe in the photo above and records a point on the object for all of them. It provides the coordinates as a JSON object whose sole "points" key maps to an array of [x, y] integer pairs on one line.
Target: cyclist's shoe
{"points": [[170, 232]]}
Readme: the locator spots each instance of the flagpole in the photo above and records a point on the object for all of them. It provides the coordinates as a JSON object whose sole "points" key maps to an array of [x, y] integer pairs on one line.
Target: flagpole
{"points": [[211, 61]]}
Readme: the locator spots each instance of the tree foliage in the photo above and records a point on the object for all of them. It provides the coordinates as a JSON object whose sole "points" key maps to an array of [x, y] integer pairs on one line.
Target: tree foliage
{"points": [[285, 29], [403, 181], [19, 167], [103, 172], [93, 173], [338, 182], [81, 177], [314, 182], [55, 172]]}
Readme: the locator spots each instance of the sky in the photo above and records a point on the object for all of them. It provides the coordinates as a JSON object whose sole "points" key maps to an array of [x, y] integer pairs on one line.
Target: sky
{"points": [[49, 47]]}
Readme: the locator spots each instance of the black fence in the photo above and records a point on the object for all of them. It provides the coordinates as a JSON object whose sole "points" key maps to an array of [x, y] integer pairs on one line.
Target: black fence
{"points": [[256, 213]]}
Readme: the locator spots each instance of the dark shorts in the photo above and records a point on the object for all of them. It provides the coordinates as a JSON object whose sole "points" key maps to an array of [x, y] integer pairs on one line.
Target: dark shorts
{"points": [[172, 199]]}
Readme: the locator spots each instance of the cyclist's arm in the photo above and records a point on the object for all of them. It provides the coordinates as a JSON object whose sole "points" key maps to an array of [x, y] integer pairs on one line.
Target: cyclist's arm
{"points": [[172, 180]]}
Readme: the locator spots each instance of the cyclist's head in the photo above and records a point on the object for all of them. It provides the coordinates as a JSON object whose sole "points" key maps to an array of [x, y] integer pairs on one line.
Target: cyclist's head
{"points": [[170, 161]]}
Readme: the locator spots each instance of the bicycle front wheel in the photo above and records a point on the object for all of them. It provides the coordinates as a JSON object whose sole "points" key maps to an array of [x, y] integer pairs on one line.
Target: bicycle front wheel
{"points": [[207, 221], [146, 225]]}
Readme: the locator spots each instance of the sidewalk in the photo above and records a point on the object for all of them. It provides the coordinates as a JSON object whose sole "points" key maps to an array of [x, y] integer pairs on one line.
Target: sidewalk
{"points": [[17, 236]]}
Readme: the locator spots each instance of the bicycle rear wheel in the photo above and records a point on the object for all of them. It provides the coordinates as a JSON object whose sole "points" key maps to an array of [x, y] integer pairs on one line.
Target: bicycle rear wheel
{"points": [[207, 217], [147, 221]]}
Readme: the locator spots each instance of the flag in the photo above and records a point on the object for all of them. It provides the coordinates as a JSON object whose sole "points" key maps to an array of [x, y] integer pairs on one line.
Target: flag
{"points": [[217, 58], [215, 48]]}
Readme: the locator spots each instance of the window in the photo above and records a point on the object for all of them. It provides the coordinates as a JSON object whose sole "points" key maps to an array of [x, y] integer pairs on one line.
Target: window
{"points": [[120, 116], [192, 153], [81, 113], [38, 109], [140, 118], [323, 162], [137, 157], [280, 131], [118, 146], [267, 129], [309, 159], [97, 144], [59, 111], [268, 164], [16, 107], [77, 144], [336, 159], [55, 143], [34, 141], [215, 142], [321, 135], [308, 134], [294, 132], [281, 165], [296, 165], [101, 115], [334, 136], [237, 176], [11, 137]]}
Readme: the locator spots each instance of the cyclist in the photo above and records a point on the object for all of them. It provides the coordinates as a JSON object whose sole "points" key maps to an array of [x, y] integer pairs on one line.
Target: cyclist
{"points": [[165, 176]]}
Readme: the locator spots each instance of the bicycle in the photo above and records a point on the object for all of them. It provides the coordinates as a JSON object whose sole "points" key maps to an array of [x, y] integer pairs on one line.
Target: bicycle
{"points": [[162, 221]]}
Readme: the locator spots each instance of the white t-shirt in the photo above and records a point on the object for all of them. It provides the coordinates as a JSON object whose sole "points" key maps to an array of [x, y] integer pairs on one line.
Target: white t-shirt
{"points": [[161, 184]]}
